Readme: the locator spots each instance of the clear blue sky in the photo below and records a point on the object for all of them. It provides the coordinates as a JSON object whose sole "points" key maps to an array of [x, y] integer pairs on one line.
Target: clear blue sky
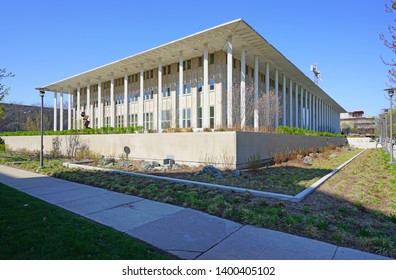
{"points": [[46, 41]]}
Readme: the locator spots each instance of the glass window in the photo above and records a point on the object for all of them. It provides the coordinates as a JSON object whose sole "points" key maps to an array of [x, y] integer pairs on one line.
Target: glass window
{"points": [[166, 119], [164, 92], [211, 58], [212, 84], [200, 61], [151, 74], [163, 70], [169, 69], [212, 117], [188, 88], [189, 64], [199, 117], [199, 86]]}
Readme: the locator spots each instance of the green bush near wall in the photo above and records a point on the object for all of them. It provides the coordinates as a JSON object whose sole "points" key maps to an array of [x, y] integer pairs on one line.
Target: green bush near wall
{"points": [[103, 130], [301, 131]]}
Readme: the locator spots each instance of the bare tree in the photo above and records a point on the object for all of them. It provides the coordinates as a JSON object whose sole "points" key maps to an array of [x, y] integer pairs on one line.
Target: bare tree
{"points": [[3, 89], [265, 105], [390, 43]]}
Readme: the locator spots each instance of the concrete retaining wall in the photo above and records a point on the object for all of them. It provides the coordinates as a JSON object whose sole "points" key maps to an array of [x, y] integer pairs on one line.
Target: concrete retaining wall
{"points": [[231, 149], [362, 142]]}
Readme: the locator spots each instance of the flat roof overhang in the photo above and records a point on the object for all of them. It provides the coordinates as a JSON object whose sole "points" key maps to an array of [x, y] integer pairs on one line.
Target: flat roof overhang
{"points": [[243, 35]]}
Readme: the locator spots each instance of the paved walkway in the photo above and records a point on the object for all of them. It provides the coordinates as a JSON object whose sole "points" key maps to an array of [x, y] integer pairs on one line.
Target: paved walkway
{"points": [[186, 233]]}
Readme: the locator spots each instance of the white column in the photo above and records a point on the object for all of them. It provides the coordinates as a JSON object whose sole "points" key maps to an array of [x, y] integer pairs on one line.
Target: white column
{"points": [[284, 100], [78, 117], [319, 115], [302, 108], [159, 124], [297, 109], [69, 106], [88, 109], [256, 109], [140, 100], [291, 104], [229, 83], [126, 105], [310, 112], [61, 110], [206, 109], [55, 111], [100, 115], [243, 88], [181, 89], [276, 98], [112, 109], [316, 115], [267, 92]]}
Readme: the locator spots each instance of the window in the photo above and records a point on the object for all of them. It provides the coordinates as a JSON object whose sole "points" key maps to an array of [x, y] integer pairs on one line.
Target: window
{"points": [[199, 86], [151, 74], [247, 71], [212, 84], [164, 70], [233, 63], [187, 117], [177, 90], [166, 119], [107, 124], [211, 58], [165, 92], [169, 69], [133, 119], [199, 117], [148, 95], [211, 117], [148, 121], [200, 61], [189, 64], [187, 89]]}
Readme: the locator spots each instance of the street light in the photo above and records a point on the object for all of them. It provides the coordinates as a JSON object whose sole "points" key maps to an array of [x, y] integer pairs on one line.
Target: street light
{"points": [[390, 91], [42, 93]]}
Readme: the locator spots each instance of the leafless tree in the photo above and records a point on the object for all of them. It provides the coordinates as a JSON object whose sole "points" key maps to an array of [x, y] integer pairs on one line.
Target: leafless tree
{"points": [[266, 105]]}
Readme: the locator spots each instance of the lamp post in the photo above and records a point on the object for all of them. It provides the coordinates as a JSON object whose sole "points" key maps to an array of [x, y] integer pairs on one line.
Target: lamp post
{"points": [[390, 91], [42, 93]]}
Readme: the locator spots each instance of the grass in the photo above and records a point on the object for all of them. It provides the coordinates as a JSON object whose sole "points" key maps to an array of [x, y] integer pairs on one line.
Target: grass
{"points": [[356, 208], [33, 229]]}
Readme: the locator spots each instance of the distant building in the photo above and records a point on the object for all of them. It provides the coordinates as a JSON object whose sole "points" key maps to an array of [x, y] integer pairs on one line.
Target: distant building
{"points": [[356, 123]]}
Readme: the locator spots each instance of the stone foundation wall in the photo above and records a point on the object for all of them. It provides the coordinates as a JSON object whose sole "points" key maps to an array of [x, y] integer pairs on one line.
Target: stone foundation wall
{"points": [[230, 149]]}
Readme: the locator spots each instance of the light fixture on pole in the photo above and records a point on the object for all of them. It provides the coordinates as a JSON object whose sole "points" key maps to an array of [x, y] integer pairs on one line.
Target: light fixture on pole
{"points": [[42, 93], [390, 91]]}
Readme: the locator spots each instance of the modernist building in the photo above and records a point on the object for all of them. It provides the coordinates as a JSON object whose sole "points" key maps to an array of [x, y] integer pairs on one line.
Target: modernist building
{"points": [[356, 123], [200, 81]]}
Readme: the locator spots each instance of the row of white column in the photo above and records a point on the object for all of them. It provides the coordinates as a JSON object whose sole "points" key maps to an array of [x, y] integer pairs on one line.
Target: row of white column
{"points": [[310, 112]]}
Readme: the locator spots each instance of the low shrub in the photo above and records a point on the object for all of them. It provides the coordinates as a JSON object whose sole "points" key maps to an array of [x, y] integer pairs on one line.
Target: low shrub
{"points": [[301, 131], [103, 130]]}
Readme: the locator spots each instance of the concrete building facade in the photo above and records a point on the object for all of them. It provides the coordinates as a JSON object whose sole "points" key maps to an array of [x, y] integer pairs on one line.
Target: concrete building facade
{"points": [[213, 79]]}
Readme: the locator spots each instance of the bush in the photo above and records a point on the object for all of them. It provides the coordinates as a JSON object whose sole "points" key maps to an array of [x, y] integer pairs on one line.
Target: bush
{"points": [[301, 131], [103, 130]]}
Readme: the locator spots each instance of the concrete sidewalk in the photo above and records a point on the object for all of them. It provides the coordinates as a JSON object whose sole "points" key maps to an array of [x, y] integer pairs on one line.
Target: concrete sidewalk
{"points": [[183, 232]]}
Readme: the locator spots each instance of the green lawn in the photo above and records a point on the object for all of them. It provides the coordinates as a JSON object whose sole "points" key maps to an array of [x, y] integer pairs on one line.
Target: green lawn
{"points": [[356, 208], [33, 229]]}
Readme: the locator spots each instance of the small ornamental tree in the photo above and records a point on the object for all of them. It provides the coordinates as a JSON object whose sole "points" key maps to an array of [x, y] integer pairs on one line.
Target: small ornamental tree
{"points": [[3, 89]]}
